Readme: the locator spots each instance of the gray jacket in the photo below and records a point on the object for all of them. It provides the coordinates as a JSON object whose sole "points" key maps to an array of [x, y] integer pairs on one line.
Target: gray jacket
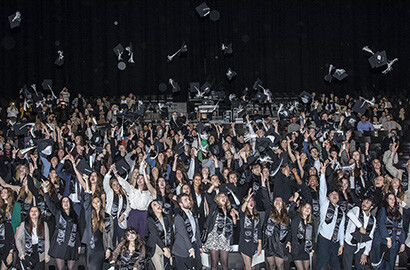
{"points": [[182, 243]]}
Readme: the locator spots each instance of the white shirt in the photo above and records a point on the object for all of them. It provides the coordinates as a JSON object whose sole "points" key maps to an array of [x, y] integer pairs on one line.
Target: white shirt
{"points": [[139, 200], [355, 223], [34, 237], [326, 230]]}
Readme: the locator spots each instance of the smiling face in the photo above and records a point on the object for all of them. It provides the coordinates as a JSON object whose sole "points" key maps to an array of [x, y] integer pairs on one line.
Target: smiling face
{"points": [[391, 200], [96, 203], [65, 204], [115, 186], [4, 194], [34, 213], [221, 199], [278, 203], [251, 204], [333, 197], [306, 210]]}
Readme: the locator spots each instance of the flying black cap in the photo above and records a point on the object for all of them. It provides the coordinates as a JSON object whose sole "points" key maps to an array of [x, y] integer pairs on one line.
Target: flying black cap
{"points": [[84, 167], [340, 74], [122, 167], [378, 59], [45, 146], [305, 97], [203, 10], [15, 19]]}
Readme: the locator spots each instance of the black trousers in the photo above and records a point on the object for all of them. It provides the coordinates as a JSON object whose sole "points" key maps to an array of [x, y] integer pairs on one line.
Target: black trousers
{"points": [[349, 255], [189, 263]]}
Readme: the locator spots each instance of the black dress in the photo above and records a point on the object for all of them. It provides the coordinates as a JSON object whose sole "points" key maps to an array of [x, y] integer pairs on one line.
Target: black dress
{"points": [[95, 252], [66, 239], [250, 233]]}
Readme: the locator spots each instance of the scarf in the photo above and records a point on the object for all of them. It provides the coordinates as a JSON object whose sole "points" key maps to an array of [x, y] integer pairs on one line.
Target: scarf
{"points": [[116, 203], [187, 223], [61, 233], [224, 221], [390, 228], [2, 235], [251, 229], [368, 227], [329, 217], [166, 240], [29, 245], [305, 232]]}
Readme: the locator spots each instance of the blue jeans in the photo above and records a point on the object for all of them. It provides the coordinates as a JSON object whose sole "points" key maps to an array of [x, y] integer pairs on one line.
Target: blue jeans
{"points": [[327, 254]]}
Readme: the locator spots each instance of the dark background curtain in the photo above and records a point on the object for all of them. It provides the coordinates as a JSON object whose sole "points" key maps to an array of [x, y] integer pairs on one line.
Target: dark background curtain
{"points": [[286, 43]]}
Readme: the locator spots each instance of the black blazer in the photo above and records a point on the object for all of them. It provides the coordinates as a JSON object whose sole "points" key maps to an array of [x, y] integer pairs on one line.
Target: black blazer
{"points": [[154, 235]]}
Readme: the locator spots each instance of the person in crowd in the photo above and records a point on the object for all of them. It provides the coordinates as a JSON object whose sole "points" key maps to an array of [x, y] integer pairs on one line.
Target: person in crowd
{"points": [[331, 229], [160, 236], [32, 240], [187, 245], [364, 125], [129, 254], [65, 243], [359, 235], [389, 236]]}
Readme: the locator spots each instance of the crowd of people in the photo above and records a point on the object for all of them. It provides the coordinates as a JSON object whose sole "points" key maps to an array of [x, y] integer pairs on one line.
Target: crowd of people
{"points": [[91, 176]]}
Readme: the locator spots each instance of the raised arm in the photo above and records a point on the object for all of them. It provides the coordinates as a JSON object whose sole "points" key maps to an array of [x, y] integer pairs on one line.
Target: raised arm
{"points": [[148, 183]]}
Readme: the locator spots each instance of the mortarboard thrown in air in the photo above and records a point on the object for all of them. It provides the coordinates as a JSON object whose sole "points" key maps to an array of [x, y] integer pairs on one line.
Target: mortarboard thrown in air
{"points": [[203, 10], [15, 19], [84, 168], [305, 97]]}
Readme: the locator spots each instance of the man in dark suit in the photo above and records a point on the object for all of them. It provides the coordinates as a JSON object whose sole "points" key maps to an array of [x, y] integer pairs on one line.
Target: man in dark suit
{"points": [[187, 245]]}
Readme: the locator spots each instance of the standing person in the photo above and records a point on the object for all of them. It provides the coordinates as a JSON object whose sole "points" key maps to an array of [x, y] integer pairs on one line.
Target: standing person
{"points": [[6, 242], [160, 236], [250, 238], [389, 236], [276, 232], [331, 228], [219, 226], [303, 235], [65, 243], [98, 230], [140, 197], [130, 252], [360, 221], [117, 205], [187, 245], [32, 240]]}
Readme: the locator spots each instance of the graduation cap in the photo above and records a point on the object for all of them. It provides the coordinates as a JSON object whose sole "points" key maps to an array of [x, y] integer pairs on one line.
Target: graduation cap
{"points": [[340, 74], [84, 168], [22, 128], [97, 139], [257, 84], [45, 146], [26, 93], [60, 59], [183, 49], [350, 122], [47, 84], [119, 50], [179, 148], [227, 49], [15, 19], [328, 76], [230, 74], [305, 97], [377, 59], [163, 110], [71, 146], [203, 10], [122, 167], [360, 107], [262, 144], [360, 237], [194, 87], [200, 127], [206, 87], [260, 97]]}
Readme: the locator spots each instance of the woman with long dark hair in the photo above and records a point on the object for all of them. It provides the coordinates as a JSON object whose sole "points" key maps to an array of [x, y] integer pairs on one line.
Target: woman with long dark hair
{"points": [[6, 242], [164, 196], [130, 252], [32, 240], [98, 230], [276, 233], [303, 235], [7, 203], [199, 201], [389, 235], [219, 225], [140, 196], [116, 205], [250, 237], [65, 243], [160, 236]]}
